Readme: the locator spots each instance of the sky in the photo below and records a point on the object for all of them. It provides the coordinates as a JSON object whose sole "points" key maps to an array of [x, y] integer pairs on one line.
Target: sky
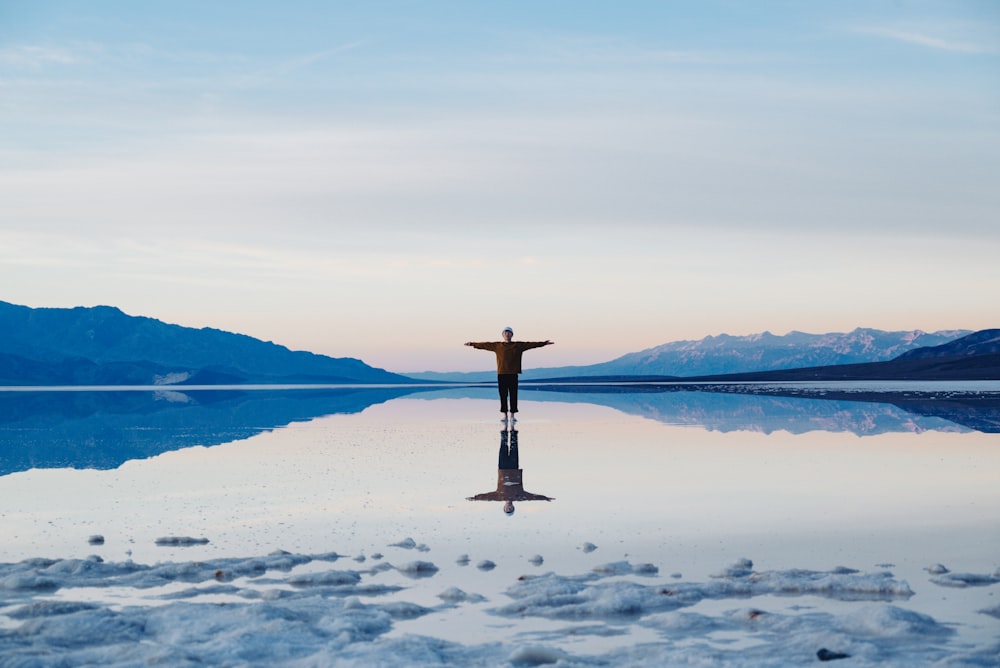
{"points": [[387, 180]]}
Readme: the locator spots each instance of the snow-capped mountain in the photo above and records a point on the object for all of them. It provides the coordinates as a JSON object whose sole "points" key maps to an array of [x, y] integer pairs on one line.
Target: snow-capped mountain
{"points": [[983, 342], [766, 352], [726, 354]]}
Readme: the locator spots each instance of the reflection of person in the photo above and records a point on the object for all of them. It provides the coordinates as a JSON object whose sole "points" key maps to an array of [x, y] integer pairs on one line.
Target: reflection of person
{"points": [[510, 478], [508, 354]]}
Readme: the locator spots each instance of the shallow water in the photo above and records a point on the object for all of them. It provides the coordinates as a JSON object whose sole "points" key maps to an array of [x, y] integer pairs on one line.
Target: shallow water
{"points": [[688, 482]]}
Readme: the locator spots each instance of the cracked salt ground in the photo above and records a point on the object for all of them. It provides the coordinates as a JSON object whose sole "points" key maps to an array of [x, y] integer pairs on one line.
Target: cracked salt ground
{"points": [[321, 616], [632, 563]]}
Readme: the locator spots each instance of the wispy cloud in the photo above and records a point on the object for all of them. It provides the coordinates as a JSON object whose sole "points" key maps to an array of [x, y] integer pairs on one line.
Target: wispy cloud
{"points": [[921, 38], [27, 55], [311, 58], [611, 50], [290, 65]]}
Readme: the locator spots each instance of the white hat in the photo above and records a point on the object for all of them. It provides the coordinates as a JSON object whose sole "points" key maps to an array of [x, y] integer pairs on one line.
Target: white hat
{"points": [[506, 329]]}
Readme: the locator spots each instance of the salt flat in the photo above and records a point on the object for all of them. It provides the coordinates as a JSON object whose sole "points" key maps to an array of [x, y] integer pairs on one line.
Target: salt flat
{"points": [[348, 539]]}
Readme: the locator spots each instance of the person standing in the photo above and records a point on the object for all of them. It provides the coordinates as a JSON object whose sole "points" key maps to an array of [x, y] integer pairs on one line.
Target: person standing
{"points": [[508, 354]]}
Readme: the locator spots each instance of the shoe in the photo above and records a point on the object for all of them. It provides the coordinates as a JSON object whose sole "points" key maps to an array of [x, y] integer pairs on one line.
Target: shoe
{"points": [[504, 418], [513, 418]]}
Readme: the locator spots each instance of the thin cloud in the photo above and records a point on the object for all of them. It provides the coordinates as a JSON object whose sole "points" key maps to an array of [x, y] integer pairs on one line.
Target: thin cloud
{"points": [[27, 55], [311, 58], [925, 40], [288, 66], [562, 49]]}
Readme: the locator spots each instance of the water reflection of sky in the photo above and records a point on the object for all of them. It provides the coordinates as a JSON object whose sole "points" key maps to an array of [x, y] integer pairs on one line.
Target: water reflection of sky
{"points": [[665, 464], [91, 429], [683, 497]]}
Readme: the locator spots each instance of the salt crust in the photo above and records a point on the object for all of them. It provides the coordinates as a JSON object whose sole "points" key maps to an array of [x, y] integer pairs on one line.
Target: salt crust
{"points": [[318, 618]]}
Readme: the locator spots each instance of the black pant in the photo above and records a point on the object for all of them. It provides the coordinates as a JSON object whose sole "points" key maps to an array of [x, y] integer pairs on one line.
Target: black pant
{"points": [[508, 454], [507, 384]]}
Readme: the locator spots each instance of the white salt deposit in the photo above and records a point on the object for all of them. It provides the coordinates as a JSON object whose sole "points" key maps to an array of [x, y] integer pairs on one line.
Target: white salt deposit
{"points": [[661, 501], [418, 569], [962, 580], [180, 541], [406, 544], [54, 614], [456, 595]]}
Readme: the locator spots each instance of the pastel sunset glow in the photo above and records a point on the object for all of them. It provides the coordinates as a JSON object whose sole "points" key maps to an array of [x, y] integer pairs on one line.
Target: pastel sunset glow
{"points": [[388, 180]]}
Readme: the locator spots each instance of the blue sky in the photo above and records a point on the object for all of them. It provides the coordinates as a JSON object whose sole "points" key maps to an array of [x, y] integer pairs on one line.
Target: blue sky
{"points": [[386, 180]]}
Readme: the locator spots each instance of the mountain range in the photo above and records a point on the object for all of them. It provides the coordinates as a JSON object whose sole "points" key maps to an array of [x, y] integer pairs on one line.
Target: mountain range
{"points": [[975, 356], [725, 354], [101, 345]]}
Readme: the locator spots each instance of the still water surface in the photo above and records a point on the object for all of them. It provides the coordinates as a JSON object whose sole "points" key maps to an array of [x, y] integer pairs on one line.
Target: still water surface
{"points": [[686, 481]]}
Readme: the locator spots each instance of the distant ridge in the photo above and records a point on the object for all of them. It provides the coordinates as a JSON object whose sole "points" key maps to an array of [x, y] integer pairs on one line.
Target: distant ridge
{"points": [[765, 351], [102, 345], [972, 357], [984, 342], [726, 354]]}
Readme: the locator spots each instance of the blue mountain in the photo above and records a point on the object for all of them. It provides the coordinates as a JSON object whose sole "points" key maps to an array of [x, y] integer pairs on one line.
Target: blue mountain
{"points": [[101, 345], [726, 354]]}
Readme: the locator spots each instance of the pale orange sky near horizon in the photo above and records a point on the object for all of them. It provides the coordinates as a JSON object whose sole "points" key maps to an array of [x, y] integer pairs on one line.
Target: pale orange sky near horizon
{"points": [[388, 185]]}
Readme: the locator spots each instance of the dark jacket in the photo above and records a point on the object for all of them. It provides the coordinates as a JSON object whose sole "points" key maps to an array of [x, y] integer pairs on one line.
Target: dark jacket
{"points": [[510, 487], [508, 354]]}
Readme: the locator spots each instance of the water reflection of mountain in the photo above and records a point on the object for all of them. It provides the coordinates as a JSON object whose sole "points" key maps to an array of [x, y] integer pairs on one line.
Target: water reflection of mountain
{"points": [[768, 410], [102, 430]]}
